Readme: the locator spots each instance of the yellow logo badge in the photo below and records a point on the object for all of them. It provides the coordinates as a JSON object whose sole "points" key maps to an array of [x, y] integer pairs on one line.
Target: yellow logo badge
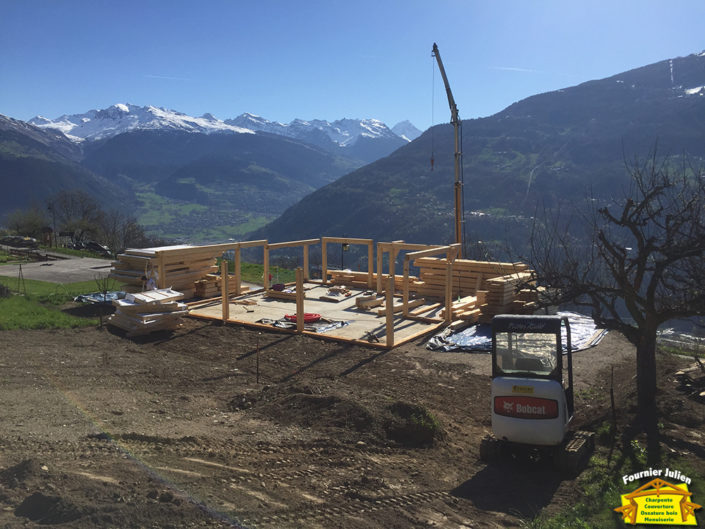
{"points": [[659, 502], [523, 389]]}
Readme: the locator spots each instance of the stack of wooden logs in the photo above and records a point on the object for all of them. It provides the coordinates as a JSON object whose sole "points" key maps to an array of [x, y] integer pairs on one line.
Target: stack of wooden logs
{"points": [[182, 265], [153, 310], [210, 286], [481, 288]]}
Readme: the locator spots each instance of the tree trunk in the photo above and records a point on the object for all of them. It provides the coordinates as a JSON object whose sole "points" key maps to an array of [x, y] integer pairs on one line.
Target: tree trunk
{"points": [[646, 392]]}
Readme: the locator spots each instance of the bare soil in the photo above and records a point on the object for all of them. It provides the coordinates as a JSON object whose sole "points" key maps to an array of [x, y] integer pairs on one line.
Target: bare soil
{"points": [[221, 426]]}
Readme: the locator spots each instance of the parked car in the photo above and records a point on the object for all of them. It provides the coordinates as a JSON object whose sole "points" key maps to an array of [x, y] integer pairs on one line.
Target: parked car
{"points": [[98, 248], [19, 241]]}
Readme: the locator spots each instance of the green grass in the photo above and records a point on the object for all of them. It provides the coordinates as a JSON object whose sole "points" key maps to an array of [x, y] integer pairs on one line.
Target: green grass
{"points": [[19, 312], [253, 273], [599, 488], [38, 306]]}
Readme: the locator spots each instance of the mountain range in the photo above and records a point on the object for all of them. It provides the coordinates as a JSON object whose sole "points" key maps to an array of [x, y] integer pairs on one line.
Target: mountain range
{"points": [[552, 150], [204, 179], [362, 139], [184, 177]]}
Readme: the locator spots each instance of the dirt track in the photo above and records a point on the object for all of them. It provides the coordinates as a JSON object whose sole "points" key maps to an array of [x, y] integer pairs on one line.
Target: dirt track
{"points": [[102, 431]]}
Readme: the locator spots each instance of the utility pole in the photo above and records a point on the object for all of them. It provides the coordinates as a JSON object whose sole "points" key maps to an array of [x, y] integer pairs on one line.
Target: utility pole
{"points": [[455, 121]]}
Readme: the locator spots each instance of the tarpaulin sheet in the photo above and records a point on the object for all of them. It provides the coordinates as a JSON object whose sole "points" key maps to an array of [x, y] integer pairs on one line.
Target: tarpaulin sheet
{"points": [[99, 297], [478, 338]]}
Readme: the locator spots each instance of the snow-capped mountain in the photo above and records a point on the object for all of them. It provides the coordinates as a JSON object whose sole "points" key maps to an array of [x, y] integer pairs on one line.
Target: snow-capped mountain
{"points": [[119, 118], [407, 130], [362, 139], [343, 132]]}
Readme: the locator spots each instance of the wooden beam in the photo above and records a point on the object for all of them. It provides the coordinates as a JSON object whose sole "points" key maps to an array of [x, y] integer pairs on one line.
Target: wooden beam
{"points": [[224, 289], [370, 264], [265, 262], [299, 299], [405, 287], [434, 251], [380, 267], [292, 244], [307, 272], [390, 313], [449, 293], [324, 261], [238, 274], [346, 240], [161, 273], [252, 244]]}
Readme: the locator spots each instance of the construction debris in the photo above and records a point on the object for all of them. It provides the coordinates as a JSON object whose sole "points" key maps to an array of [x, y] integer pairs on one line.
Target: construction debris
{"points": [[147, 312]]}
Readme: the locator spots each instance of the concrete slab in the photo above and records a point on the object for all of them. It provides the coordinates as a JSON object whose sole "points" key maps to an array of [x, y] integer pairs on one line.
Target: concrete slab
{"points": [[60, 271], [360, 322]]}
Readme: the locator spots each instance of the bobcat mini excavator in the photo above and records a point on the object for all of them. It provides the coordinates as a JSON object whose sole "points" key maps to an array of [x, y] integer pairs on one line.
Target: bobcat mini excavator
{"points": [[532, 392]]}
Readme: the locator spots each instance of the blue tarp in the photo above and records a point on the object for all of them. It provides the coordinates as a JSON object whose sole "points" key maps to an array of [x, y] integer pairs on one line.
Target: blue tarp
{"points": [[478, 338]]}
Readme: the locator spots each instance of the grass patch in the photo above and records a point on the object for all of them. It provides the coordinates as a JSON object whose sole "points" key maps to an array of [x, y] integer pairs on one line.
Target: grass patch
{"points": [[254, 272], [54, 293], [38, 306], [696, 348], [600, 486], [19, 312]]}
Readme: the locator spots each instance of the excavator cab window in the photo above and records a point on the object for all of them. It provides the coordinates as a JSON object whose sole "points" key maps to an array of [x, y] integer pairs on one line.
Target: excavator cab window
{"points": [[526, 354], [528, 346]]}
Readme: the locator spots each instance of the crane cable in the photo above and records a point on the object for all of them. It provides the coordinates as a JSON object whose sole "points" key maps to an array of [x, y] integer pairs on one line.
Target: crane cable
{"points": [[462, 189]]}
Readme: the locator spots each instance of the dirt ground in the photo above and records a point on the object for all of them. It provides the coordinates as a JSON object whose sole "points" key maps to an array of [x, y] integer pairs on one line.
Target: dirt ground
{"points": [[221, 426]]}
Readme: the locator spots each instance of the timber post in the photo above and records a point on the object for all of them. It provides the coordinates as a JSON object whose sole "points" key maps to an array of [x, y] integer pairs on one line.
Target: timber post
{"points": [[224, 289], [389, 308], [299, 300]]}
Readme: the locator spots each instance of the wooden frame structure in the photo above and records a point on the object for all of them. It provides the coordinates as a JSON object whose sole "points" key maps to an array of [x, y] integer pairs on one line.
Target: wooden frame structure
{"points": [[304, 244], [494, 287], [452, 251], [325, 241]]}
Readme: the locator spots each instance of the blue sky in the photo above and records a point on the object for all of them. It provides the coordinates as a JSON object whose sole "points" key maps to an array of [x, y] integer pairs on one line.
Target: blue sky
{"points": [[325, 59]]}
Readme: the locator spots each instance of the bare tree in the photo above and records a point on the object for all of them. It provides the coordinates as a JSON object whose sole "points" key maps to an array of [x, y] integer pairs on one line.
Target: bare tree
{"points": [[76, 211], [27, 222], [642, 265]]}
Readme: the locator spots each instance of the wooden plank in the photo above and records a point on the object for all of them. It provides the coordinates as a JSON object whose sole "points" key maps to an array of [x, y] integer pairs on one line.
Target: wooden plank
{"points": [[292, 244], [225, 302], [390, 314], [400, 307], [299, 299]]}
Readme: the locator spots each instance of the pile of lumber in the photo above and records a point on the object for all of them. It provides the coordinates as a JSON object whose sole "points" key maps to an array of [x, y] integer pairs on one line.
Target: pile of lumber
{"points": [[481, 289], [153, 310], [181, 266], [210, 286], [504, 296], [349, 278], [468, 308], [468, 276]]}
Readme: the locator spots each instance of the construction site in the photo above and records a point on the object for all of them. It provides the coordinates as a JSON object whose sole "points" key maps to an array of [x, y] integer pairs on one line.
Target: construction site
{"points": [[370, 306]]}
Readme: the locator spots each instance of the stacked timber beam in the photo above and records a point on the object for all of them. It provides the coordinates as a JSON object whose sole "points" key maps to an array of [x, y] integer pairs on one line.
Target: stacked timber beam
{"points": [[210, 286], [155, 310], [178, 267], [482, 288]]}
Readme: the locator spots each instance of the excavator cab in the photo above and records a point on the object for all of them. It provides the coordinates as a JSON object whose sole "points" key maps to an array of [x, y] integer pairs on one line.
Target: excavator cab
{"points": [[532, 387]]}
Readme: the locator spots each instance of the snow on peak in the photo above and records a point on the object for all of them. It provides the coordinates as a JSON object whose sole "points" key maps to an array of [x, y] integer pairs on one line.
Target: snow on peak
{"points": [[121, 117], [406, 129], [125, 117]]}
